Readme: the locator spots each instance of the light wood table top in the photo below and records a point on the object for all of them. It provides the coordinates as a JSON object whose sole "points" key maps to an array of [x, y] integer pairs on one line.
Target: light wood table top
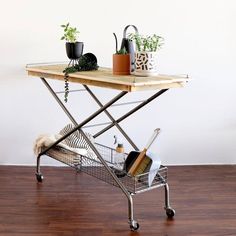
{"points": [[103, 77]]}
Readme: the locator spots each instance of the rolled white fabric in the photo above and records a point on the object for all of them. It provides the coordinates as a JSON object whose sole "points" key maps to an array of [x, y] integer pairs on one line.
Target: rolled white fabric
{"points": [[45, 140]]}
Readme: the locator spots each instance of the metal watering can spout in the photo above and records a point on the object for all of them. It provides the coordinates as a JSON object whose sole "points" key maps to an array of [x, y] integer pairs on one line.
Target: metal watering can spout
{"points": [[128, 45]]}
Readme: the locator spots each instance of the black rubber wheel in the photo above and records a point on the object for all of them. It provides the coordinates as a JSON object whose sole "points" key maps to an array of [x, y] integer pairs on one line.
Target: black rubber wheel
{"points": [[170, 212], [39, 177], [134, 227]]}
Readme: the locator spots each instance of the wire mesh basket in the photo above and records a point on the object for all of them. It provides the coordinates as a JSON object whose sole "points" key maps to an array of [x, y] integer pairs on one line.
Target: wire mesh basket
{"points": [[93, 167]]}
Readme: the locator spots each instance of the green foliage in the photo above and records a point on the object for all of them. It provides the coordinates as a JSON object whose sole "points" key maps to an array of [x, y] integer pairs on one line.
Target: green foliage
{"points": [[84, 65], [70, 69], [147, 43], [70, 33], [122, 51], [66, 88]]}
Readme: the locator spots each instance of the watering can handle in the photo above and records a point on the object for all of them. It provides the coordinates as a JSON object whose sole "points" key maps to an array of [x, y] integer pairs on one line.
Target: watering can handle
{"points": [[125, 29]]}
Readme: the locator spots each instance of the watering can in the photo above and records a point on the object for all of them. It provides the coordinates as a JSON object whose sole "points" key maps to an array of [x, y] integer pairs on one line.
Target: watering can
{"points": [[129, 46]]}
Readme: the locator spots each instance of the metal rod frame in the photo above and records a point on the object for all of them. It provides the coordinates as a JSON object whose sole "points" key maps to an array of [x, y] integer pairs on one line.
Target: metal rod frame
{"points": [[78, 126], [167, 196], [126, 103], [111, 118], [71, 91], [130, 112]]}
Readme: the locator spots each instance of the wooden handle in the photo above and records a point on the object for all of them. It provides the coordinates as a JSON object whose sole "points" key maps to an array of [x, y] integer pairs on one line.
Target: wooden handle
{"points": [[137, 162], [142, 155]]}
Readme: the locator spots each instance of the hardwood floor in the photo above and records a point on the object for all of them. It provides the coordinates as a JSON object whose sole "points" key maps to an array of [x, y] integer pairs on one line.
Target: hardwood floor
{"points": [[67, 203]]}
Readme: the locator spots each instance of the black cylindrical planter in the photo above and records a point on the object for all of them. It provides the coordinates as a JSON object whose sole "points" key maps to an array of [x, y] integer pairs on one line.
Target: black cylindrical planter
{"points": [[74, 50]]}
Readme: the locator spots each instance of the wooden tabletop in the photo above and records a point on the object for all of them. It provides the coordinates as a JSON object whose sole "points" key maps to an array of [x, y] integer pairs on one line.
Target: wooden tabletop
{"points": [[103, 77]]}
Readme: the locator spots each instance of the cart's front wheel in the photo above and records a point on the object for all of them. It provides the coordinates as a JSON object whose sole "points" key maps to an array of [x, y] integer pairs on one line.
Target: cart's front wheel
{"points": [[170, 212], [134, 225], [39, 177]]}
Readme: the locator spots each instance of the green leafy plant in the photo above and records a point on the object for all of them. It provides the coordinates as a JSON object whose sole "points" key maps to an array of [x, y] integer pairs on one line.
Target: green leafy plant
{"points": [[122, 51], [85, 64], [70, 34], [147, 43]]}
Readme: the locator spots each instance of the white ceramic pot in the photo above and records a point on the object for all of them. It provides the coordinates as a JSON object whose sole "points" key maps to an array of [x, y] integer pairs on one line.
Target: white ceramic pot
{"points": [[146, 63]]}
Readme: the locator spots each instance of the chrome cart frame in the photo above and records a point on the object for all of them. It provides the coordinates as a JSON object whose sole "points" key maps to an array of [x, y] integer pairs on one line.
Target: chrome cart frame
{"points": [[102, 168]]}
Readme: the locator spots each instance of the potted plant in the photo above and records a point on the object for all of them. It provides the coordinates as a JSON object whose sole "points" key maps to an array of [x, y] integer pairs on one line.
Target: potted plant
{"points": [[146, 56], [87, 62], [121, 61], [74, 49]]}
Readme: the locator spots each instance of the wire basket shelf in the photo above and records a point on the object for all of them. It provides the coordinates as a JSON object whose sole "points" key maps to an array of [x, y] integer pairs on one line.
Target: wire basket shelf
{"points": [[93, 167]]}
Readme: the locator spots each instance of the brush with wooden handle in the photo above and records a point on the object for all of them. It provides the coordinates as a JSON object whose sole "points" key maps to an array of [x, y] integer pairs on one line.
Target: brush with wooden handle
{"points": [[134, 168]]}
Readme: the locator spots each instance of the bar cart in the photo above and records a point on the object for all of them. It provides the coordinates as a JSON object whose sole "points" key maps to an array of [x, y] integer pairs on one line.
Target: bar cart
{"points": [[101, 167]]}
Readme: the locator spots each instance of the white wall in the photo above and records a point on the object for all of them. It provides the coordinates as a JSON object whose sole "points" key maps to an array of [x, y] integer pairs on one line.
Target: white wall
{"points": [[198, 121]]}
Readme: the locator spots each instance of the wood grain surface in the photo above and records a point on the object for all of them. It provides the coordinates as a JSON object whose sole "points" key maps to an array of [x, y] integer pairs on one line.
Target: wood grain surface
{"points": [[67, 203], [103, 77]]}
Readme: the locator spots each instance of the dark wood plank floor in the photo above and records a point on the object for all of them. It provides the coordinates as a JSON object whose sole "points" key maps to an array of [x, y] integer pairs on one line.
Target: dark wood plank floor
{"points": [[67, 203]]}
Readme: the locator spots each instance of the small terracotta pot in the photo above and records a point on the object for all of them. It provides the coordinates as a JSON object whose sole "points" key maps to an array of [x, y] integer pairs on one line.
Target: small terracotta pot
{"points": [[121, 64]]}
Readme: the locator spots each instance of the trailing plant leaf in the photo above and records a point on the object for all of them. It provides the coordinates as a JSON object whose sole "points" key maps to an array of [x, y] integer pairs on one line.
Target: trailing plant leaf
{"points": [[85, 64], [69, 70], [66, 89]]}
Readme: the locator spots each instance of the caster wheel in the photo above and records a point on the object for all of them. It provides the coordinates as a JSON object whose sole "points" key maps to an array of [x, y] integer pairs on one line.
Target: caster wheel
{"points": [[134, 225], [170, 212], [39, 177]]}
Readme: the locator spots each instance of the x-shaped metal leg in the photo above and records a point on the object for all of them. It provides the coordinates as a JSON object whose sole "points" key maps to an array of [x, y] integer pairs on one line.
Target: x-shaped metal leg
{"points": [[78, 127], [111, 118], [116, 122]]}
